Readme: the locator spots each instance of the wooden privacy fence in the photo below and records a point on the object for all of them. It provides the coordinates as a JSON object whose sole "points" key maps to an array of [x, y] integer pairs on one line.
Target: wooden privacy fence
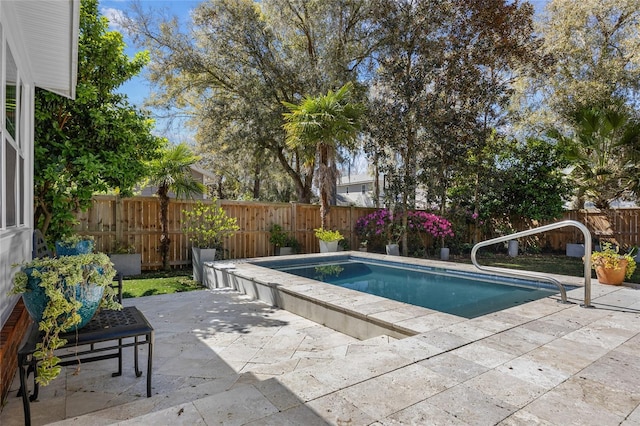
{"points": [[619, 226], [134, 222]]}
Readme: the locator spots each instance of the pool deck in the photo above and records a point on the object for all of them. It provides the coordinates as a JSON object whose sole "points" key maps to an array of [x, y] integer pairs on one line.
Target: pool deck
{"points": [[222, 358]]}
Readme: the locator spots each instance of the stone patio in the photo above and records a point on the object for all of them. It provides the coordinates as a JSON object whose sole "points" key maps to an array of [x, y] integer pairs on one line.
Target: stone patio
{"points": [[222, 358]]}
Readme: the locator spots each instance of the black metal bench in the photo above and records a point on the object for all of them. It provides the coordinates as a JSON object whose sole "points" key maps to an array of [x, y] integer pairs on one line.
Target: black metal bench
{"points": [[122, 328], [106, 326]]}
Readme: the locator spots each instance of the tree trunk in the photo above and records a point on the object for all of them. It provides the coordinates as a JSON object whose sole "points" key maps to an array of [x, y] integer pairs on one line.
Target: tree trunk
{"points": [[165, 242], [376, 182], [303, 186], [256, 182], [324, 175]]}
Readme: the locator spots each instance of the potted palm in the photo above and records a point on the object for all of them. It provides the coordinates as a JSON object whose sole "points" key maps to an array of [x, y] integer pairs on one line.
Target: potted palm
{"points": [[611, 266], [62, 294], [207, 225], [328, 239]]}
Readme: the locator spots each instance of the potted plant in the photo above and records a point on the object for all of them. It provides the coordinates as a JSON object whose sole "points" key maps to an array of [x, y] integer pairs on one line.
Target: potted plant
{"points": [[328, 239], [74, 244], [125, 259], [394, 232], [284, 243], [62, 294], [207, 225], [612, 267]]}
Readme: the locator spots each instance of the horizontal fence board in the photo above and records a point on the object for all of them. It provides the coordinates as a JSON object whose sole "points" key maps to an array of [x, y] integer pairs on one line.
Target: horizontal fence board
{"points": [[134, 222]]}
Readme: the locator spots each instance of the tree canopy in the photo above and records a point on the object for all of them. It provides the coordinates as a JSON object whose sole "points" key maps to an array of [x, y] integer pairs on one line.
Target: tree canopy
{"points": [[460, 95], [592, 58], [235, 64], [96, 142]]}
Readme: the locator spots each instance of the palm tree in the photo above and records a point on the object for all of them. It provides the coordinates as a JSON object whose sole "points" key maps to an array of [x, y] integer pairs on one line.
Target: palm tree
{"points": [[601, 150], [322, 125], [172, 173]]}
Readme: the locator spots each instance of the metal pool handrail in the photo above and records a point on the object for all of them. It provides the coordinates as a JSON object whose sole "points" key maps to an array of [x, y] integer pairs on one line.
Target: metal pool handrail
{"points": [[540, 229]]}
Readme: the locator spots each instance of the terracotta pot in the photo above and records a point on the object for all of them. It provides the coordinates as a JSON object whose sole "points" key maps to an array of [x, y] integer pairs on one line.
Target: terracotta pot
{"points": [[612, 276]]}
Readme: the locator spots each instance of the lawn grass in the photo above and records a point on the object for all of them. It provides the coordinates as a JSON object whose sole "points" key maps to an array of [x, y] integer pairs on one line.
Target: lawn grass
{"points": [[548, 263], [152, 283]]}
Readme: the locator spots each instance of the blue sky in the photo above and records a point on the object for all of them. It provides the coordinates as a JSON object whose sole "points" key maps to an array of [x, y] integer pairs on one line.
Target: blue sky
{"points": [[138, 89]]}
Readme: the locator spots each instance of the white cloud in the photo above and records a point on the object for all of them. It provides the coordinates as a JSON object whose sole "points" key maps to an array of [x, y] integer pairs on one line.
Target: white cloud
{"points": [[115, 17]]}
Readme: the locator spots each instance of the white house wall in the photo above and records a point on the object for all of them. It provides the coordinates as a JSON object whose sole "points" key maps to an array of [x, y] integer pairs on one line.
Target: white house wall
{"points": [[21, 25], [15, 241]]}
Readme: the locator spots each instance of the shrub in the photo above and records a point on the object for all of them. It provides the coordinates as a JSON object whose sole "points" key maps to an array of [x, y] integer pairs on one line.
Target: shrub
{"points": [[382, 227], [207, 224]]}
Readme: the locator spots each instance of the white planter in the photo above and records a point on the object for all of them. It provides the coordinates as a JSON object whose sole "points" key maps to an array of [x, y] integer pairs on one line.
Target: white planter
{"points": [[328, 246], [127, 263], [284, 251], [575, 250], [444, 253], [513, 248], [393, 249], [200, 256]]}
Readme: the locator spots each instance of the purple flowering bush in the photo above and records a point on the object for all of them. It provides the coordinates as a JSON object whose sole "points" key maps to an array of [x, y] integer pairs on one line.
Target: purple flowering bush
{"points": [[382, 227], [429, 223], [377, 228]]}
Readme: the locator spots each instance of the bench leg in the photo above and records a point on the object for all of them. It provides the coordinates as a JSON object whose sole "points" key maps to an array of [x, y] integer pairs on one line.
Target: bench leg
{"points": [[23, 365], [135, 358], [149, 363], [119, 373]]}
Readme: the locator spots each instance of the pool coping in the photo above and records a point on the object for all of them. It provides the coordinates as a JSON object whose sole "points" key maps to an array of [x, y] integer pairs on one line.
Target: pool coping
{"points": [[357, 314]]}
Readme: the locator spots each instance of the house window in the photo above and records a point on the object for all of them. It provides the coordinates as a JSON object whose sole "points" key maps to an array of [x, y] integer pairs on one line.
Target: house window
{"points": [[11, 169], [12, 181], [364, 188], [11, 96]]}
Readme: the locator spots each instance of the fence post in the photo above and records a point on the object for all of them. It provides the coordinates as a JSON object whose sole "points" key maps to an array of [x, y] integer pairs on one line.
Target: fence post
{"points": [[119, 214], [351, 226], [294, 220]]}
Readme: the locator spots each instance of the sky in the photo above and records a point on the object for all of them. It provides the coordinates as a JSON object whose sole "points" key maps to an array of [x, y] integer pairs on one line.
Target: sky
{"points": [[138, 89]]}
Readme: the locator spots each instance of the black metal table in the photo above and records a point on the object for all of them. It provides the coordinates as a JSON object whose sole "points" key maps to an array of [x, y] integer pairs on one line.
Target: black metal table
{"points": [[121, 328]]}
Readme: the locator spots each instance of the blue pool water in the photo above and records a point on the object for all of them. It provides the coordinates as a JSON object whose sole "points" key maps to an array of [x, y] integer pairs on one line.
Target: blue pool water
{"points": [[455, 292]]}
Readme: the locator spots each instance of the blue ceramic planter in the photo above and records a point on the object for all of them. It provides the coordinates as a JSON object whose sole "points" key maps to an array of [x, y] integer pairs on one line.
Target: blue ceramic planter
{"points": [[35, 299], [81, 247]]}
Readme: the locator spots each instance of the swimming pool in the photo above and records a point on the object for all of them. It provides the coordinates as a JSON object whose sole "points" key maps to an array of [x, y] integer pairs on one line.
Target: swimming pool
{"points": [[460, 293]]}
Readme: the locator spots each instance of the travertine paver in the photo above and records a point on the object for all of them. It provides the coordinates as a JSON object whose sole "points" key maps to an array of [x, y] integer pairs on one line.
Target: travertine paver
{"points": [[223, 359]]}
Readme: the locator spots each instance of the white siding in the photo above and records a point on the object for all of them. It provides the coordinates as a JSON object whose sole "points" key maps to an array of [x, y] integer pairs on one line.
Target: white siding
{"points": [[42, 36]]}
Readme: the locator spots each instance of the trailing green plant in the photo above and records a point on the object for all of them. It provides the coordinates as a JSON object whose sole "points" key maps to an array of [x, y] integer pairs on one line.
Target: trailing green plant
{"points": [[57, 277], [609, 257], [328, 235], [121, 248], [208, 224], [72, 240]]}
